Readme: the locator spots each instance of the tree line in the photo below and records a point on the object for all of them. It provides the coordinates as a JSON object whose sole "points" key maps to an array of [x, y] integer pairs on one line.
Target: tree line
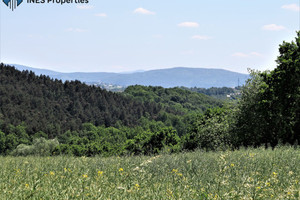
{"points": [[149, 120]]}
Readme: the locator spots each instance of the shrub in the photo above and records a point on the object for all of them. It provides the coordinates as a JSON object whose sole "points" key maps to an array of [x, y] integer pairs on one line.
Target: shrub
{"points": [[40, 146]]}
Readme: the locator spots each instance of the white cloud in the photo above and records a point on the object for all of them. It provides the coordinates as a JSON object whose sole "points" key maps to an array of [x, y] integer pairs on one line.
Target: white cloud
{"points": [[256, 54], [189, 24], [101, 15], [84, 7], [201, 37], [241, 55], [76, 30], [247, 55], [292, 7], [273, 27], [143, 11]]}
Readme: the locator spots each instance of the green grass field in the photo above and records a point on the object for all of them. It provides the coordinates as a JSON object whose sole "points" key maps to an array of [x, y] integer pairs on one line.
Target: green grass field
{"points": [[243, 174]]}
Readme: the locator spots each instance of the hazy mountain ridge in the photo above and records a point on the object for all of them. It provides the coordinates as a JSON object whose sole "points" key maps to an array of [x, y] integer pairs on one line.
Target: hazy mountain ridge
{"points": [[179, 76]]}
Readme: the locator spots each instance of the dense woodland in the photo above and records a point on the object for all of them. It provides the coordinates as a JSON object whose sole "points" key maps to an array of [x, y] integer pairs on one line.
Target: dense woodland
{"points": [[174, 100], [53, 107], [39, 115], [219, 93]]}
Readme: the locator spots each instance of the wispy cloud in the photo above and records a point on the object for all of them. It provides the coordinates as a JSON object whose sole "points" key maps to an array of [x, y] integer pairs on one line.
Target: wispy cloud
{"points": [[247, 55], [273, 27], [201, 37], [256, 54], [143, 11], [76, 30], [239, 54], [189, 24], [101, 15], [84, 7], [292, 7]]}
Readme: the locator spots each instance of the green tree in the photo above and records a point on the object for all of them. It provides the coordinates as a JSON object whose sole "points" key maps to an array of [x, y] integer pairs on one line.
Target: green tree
{"points": [[253, 109], [165, 138], [284, 84], [269, 110], [210, 131], [2, 142], [11, 142], [40, 146]]}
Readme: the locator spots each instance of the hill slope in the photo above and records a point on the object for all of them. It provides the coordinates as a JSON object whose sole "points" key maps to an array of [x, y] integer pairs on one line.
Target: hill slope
{"points": [[54, 107], [51, 106], [174, 100], [188, 77], [180, 76]]}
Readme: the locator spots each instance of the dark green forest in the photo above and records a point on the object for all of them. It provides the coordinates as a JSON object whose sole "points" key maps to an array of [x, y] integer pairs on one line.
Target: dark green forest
{"points": [[38, 106], [173, 100], [39, 115], [54, 107]]}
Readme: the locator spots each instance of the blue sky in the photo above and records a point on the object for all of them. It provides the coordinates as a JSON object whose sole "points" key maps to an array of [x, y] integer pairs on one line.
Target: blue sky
{"points": [[129, 35]]}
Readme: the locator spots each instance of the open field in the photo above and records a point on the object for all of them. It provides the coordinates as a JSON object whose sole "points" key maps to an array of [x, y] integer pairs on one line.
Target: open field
{"points": [[243, 174]]}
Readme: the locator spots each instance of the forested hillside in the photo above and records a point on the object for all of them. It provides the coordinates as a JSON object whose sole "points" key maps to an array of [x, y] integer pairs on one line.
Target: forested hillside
{"points": [[172, 77], [53, 107], [219, 93], [86, 120], [176, 100]]}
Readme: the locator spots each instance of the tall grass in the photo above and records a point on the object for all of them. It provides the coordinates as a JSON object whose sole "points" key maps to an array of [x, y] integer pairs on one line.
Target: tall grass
{"points": [[243, 174]]}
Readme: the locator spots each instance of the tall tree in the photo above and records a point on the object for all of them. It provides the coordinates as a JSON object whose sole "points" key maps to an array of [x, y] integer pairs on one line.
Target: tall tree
{"points": [[284, 85], [270, 104]]}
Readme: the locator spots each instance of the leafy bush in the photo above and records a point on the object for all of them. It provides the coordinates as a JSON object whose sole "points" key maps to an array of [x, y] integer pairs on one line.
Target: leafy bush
{"points": [[40, 146], [210, 131]]}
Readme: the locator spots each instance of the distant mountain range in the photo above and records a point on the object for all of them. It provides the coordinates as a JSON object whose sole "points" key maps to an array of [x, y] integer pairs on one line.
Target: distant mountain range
{"points": [[179, 76]]}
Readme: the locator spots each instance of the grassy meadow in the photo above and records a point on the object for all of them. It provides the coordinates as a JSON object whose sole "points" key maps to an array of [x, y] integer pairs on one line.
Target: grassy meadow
{"points": [[243, 174]]}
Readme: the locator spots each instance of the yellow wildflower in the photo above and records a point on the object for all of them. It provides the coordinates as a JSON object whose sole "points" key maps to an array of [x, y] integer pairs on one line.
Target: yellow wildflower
{"points": [[137, 186], [27, 185], [179, 174], [121, 169], [84, 175], [100, 173], [175, 170], [232, 165], [52, 173]]}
